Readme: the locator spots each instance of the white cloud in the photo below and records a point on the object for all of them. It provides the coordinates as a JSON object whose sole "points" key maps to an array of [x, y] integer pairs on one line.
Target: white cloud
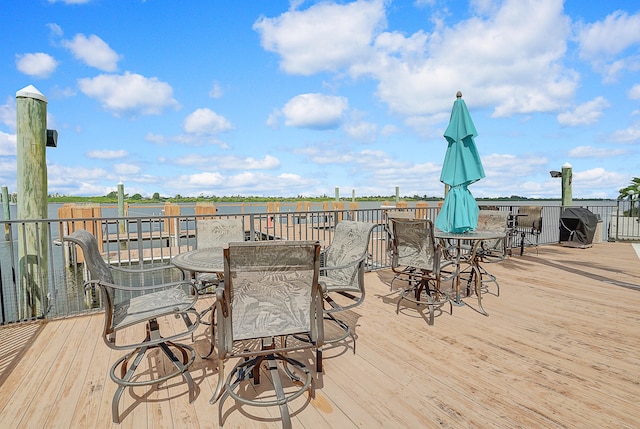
{"points": [[316, 111], [509, 56], [362, 131], [634, 92], [55, 29], [8, 144], [229, 162], [595, 178], [605, 43], [273, 119], [205, 179], [8, 113], [76, 180], [129, 92], [584, 114], [592, 152], [269, 162], [511, 60], [126, 169], [610, 36], [156, 139], [628, 135], [107, 154], [248, 183], [38, 64], [206, 121], [216, 91], [93, 51], [324, 37]]}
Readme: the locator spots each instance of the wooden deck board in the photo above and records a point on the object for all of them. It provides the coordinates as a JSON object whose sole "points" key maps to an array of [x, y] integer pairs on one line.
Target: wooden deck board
{"points": [[559, 349]]}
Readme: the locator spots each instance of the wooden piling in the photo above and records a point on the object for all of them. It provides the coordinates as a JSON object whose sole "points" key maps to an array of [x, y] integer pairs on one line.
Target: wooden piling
{"points": [[7, 211], [33, 239]]}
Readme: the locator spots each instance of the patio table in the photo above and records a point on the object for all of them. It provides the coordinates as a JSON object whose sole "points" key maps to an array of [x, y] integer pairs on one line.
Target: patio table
{"points": [[207, 260], [475, 238]]}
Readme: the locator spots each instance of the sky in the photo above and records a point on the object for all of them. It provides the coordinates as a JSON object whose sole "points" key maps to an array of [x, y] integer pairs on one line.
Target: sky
{"points": [[298, 98]]}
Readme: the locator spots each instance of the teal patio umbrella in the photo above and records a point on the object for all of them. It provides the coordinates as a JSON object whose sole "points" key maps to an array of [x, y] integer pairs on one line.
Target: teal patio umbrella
{"points": [[461, 167]]}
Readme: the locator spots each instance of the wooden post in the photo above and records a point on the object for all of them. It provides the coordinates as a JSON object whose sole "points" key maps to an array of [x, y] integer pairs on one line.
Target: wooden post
{"points": [[7, 211], [567, 176], [422, 208], [353, 208], [339, 208], [33, 239], [337, 192], [122, 224], [397, 194], [86, 212], [172, 226], [205, 209]]}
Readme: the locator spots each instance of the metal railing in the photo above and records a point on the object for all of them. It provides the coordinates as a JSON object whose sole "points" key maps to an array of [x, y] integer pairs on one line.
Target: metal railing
{"points": [[49, 282]]}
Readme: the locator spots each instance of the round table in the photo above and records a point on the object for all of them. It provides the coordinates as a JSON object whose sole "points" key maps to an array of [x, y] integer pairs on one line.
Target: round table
{"points": [[475, 237], [209, 260]]}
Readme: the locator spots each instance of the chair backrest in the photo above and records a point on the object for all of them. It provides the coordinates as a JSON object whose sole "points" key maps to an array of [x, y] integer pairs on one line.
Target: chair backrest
{"points": [[218, 232], [350, 244], [271, 289], [400, 214], [97, 266], [533, 218], [413, 244], [99, 271], [493, 220]]}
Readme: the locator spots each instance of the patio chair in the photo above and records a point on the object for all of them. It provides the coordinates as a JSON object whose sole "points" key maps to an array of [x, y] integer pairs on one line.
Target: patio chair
{"points": [[416, 255], [342, 272], [134, 298], [270, 294], [490, 251], [529, 226], [215, 233], [388, 217]]}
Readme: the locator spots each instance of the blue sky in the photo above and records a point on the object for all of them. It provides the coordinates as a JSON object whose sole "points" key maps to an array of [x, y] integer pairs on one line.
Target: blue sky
{"points": [[288, 98]]}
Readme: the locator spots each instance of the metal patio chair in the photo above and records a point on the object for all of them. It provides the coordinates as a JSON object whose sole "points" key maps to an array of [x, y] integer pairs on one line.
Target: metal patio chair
{"points": [[388, 217], [215, 233], [529, 226], [416, 255], [134, 299], [270, 295], [490, 251], [342, 272]]}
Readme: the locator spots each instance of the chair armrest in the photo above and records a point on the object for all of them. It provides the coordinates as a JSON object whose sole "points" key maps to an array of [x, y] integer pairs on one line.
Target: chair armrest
{"points": [[144, 270], [349, 265], [142, 288]]}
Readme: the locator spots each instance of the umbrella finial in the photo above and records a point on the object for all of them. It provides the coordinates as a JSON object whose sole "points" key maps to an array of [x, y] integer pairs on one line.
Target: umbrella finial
{"points": [[458, 94]]}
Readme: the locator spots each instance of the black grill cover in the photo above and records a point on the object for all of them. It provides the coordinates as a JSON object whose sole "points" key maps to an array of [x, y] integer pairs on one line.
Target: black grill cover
{"points": [[578, 225]]}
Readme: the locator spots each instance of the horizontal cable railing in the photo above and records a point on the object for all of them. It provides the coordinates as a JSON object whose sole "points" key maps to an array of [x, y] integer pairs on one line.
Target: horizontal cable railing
{"points": [[49, 281]]}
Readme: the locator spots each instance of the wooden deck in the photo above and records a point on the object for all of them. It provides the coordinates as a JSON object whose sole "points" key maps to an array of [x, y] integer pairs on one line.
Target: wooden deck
{"points": [[559, 349]]}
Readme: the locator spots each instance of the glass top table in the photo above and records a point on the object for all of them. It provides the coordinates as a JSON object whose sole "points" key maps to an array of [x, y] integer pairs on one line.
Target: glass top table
{"points": [[208, 260], [475, 238]]}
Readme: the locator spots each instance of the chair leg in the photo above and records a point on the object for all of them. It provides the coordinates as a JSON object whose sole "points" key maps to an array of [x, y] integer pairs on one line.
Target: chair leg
{"points": [[344, 326], [121, 381], [241, 372], [277, 385], [127, 372]]}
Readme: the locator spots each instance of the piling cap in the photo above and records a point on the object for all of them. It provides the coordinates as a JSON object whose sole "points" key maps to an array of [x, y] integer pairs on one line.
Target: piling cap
{"points": [[566, 165], [31, 92]]}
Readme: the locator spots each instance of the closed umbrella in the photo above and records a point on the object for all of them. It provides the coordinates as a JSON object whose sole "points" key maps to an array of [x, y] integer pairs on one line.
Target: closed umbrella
{"points": [[461, 167]]}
